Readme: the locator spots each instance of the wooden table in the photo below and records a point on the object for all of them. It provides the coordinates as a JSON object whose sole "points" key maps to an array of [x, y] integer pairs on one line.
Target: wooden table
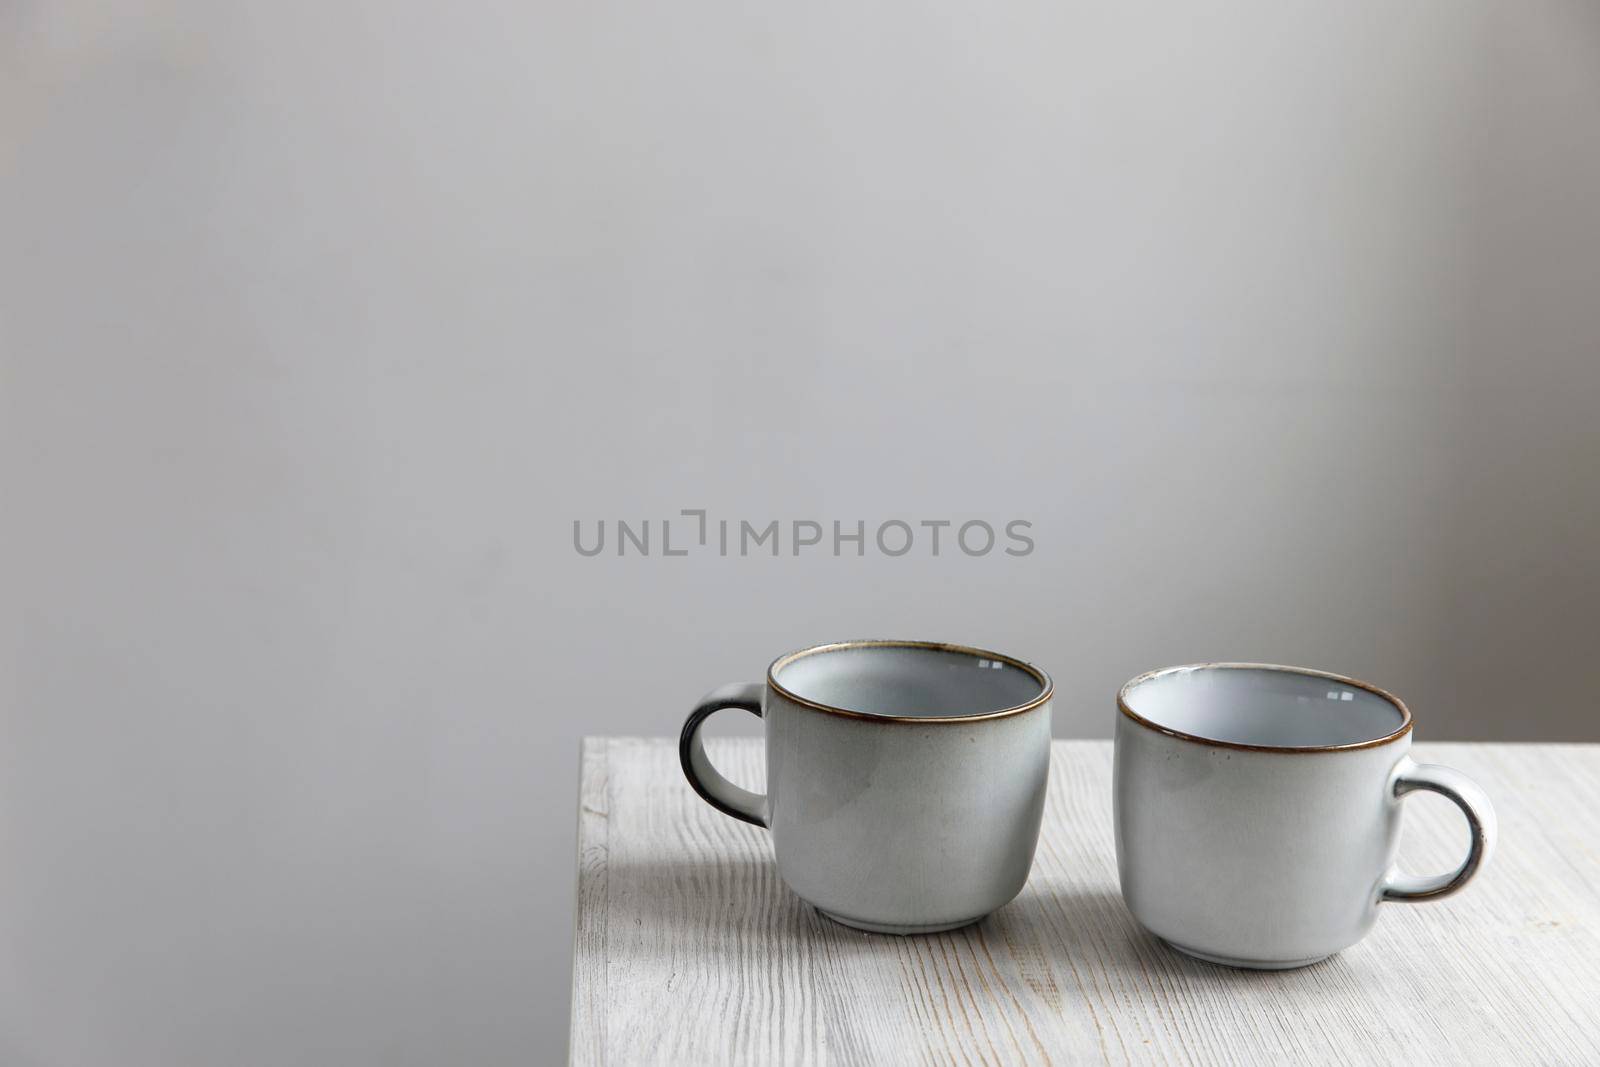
{"points": [[690, 950]]}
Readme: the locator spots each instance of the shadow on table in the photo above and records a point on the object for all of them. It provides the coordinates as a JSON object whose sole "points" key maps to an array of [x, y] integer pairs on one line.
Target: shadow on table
{"points": [[729, 905], [712, 901], [1077, 923]]}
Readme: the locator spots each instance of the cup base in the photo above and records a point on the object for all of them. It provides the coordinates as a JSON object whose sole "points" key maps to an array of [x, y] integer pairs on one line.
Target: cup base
{"points": [[1248, 965], [894, 928]]}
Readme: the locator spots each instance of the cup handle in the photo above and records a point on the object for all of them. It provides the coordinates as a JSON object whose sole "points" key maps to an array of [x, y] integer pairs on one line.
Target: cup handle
{"points": [[1410, 776], [713, 788]]}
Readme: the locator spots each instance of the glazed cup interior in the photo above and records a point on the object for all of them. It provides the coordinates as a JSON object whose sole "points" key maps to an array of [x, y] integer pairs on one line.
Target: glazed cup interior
{"points": [[909, 679], [1264, 706]]}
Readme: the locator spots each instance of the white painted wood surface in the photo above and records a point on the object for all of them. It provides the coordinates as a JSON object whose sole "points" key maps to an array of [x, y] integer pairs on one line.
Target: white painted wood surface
{"points": [[690, 950]]}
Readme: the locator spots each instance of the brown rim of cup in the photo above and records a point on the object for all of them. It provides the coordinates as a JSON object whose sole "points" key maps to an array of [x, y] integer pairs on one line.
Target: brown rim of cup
{"points": [[1400, 731], [1046, 686]]}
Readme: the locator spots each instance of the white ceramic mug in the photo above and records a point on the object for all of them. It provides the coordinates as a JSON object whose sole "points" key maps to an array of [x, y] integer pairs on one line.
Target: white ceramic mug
{"points": [[905, 779], [1258, 810]]}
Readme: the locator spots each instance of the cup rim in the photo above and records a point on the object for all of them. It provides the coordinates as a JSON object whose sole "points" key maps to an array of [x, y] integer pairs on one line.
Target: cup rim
{"points": [[1046, 686], [1396, 734]]}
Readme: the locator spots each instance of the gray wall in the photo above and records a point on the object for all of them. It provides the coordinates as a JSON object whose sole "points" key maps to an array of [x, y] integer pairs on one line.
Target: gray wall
{"points": [[323, 322]]}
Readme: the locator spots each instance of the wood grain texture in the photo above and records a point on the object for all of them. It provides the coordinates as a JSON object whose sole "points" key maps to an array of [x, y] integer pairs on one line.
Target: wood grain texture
{"points": [[690, 950]]}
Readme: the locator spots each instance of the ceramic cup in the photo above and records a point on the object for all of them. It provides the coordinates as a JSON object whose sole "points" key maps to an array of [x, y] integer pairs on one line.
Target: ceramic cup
{"points": [[1258, 810], [905, 779]]}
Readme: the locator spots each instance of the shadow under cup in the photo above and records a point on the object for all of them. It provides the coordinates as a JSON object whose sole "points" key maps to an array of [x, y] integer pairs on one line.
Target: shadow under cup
{"points": [[905, 780], [1257, 810]]}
